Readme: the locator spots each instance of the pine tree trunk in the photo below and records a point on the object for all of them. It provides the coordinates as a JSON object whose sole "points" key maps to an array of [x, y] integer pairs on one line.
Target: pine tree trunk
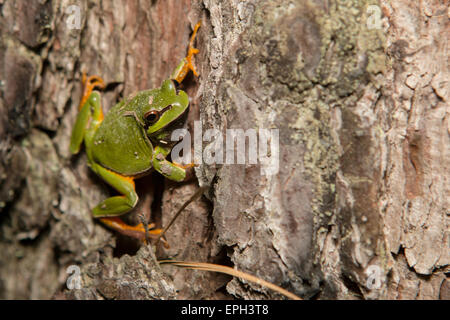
{"points": [[356, 205]]}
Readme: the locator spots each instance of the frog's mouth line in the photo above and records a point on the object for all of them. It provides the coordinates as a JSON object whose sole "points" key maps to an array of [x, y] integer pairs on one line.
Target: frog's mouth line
{"points": [[178, 121]]}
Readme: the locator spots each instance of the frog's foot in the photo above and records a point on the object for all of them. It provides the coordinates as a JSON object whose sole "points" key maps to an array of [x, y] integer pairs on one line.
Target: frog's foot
{"points": [[139, 231], [90, 83], [186, 64]]}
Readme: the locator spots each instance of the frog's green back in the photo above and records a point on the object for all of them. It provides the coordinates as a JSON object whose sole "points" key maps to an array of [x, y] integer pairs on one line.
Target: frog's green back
{"points": [[120, 143]]}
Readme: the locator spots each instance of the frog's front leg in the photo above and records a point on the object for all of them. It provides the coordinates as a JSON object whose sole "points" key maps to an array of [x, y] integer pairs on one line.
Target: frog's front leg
{"points": [[166, 168]]}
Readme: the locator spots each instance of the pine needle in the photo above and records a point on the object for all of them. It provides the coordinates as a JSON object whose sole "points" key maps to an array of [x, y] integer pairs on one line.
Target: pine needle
{"points": [[194, 197], [232, 272]]}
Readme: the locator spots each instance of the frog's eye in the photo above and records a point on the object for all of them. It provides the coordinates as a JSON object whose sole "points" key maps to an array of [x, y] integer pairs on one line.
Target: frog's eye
{"points": [[152, 116]]}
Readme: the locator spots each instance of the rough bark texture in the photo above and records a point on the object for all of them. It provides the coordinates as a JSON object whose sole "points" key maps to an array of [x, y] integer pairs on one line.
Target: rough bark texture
{"points": [[364, 148]]}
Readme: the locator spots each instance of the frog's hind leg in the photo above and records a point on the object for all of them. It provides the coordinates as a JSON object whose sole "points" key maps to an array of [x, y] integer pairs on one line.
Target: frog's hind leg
{"points": [[137, 231], [117, 205], [109, 209]]}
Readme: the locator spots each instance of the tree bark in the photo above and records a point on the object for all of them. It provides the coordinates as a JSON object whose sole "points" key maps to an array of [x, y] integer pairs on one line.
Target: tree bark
{"points": [[358, 91]]}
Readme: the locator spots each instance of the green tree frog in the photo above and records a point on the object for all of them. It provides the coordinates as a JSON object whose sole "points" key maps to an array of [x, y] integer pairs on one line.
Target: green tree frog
{"points": [[131, 140]]}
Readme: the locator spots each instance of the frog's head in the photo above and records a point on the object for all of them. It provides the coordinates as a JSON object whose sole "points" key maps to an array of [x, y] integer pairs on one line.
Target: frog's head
{"points": [[165, 110]]}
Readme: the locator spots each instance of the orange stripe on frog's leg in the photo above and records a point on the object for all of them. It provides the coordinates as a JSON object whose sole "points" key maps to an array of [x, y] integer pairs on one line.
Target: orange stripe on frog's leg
{"points": [[130, 180], [90, 83]]}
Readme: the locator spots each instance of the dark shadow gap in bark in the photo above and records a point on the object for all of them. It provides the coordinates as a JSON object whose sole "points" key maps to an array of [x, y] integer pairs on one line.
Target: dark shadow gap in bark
{"points": [[5, 214], [223, 258], [111, 86], [156, 212], [352, 286]]}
